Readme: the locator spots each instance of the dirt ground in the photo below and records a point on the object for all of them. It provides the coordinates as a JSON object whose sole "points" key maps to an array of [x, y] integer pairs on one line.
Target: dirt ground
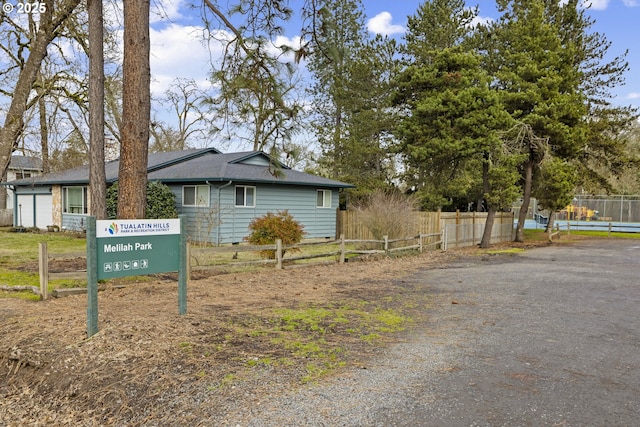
{"points": [[147, 363]]}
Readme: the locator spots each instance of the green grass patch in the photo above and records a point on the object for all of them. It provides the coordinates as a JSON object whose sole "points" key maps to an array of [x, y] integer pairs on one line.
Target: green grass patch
{"points": [[20, 248], [315, 371], [534, 235], [23, 278], [25, 295], [317, 334], [538, 235], [263, 361], [510, 251], [615, 234]]}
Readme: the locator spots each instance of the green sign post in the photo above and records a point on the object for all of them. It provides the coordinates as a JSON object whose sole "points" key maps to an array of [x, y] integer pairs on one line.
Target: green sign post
{"points": [[119, 248]]}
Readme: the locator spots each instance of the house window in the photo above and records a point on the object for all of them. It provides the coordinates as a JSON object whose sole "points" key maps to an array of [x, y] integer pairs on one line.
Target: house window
{"points": [[323, 199], [22, 175], [195, 195], [245, 196], [74, 200]]}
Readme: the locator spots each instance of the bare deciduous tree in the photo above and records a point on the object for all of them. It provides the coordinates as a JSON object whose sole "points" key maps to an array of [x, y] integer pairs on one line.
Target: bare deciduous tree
{"points": [[184, 100], [53, 15]]}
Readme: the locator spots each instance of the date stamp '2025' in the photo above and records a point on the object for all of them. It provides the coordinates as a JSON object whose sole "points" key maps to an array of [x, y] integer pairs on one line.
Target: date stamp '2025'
{"points": [[24, 7]]}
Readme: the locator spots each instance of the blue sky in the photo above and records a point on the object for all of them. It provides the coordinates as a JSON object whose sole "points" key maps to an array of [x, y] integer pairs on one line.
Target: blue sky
{"points": [[177, 49]]}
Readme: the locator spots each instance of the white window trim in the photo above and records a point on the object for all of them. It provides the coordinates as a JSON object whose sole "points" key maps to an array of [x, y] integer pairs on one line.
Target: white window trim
{"points": [[235, 200], [326, 199], [196, 205], [65, 200]]}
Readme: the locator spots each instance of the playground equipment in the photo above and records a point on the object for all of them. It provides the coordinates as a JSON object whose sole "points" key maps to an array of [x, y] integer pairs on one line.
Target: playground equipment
{"points": [[582, 213]]}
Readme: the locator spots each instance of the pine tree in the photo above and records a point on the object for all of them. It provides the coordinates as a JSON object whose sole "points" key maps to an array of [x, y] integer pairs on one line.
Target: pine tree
{"points": [[535, 69], [437, 161], [453, 131], [606, 125], [351, 93], [136, 111]]}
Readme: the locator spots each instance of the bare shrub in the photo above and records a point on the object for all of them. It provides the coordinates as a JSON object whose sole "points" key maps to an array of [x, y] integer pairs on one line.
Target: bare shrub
{"points": [[206, 221], [388, 214]]}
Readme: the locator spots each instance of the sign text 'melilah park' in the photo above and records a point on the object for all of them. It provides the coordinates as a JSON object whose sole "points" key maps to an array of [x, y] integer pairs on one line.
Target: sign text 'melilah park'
{"points": [[127, 247]]}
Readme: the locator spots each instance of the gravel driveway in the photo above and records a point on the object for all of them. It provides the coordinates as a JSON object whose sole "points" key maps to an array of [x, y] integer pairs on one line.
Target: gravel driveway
{"points": [[548, 337]]}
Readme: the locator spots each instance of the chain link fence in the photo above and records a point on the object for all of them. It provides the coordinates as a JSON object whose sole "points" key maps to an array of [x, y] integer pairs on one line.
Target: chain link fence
{"points": [[617, 208], [609, 208]]}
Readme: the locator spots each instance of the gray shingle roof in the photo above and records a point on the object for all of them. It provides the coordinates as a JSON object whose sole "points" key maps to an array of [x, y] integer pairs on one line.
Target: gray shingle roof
{"points": [[25, 163], [197, 165]]}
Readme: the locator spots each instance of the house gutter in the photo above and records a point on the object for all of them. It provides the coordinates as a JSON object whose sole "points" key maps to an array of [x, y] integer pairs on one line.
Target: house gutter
{"points": [[219, 209]]}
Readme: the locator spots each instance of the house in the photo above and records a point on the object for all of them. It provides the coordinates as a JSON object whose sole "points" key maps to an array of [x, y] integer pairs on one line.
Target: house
{"points": [[21, 167], [218, 193]]}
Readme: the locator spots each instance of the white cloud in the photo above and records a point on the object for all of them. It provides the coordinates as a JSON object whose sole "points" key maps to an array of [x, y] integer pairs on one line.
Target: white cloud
{"points": [[381, 24], [293, 43], [633, 95], [631, 3], [163, 10], [481, 20], [596, 4], [179, 51]]}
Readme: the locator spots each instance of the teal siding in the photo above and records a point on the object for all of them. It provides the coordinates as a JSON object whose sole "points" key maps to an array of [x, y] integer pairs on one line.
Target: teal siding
{"points": [[74, 222], [202, 223]]}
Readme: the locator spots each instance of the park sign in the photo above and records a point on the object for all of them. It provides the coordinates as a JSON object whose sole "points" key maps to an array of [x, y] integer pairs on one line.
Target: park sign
{"points": [[137, 247], [120, 248]]}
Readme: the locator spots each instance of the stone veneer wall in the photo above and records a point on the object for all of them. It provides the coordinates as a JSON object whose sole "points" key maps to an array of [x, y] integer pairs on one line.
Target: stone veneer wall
{"points": [[56, 195]]}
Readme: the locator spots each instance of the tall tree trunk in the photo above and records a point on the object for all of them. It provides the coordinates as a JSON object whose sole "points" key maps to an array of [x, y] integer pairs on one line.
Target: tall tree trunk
{"points": [[44, 125], [136, 111], [50, 20], [491, 212], [44, 133], [488, 227], [526, 198], [4, 191], [550, 222], [97, 175]]}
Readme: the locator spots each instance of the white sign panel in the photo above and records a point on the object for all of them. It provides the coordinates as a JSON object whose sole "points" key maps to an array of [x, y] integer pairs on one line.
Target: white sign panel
{"points": [[137, 227]]}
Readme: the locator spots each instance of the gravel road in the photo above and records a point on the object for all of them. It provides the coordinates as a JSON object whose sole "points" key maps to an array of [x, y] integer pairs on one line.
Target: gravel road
{"points": [[548, 337]]}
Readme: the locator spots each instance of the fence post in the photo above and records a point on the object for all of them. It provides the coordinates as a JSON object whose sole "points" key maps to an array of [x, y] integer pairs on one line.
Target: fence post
{"points": [[457, 226], [386, 243], [609, 235], [43, 267], [443, 245], [568, 228], [420, 247], [342, 249], [279, 254], [473, 226]]}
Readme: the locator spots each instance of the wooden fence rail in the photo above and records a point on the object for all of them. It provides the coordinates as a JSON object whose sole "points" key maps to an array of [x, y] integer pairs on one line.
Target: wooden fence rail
{"points": [[423, 241], [435, 229]]}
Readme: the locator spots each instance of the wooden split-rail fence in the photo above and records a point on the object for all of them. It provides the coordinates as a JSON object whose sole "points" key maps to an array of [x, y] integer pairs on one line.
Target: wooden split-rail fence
{"points": [[342, 249], [434, 230]]}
